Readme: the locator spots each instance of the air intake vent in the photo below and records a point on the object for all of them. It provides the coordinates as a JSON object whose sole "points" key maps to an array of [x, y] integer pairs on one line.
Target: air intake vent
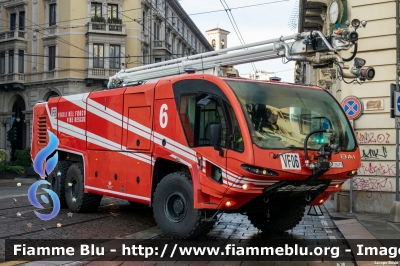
{"points": [[42, 130]]}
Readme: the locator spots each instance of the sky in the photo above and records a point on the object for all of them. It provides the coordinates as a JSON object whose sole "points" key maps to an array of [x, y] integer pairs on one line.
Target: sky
{"points": [[255, 24]]}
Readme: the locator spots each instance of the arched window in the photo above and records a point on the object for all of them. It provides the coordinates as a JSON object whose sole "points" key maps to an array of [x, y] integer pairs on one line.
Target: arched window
{"points": [[213, 43], [51, 95], [222, 44]]}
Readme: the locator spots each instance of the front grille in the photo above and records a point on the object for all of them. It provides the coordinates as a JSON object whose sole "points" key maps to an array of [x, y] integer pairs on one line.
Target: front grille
{"points": [[42, 130]]}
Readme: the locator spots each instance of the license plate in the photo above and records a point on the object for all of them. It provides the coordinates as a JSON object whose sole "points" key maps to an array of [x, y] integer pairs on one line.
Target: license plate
{"points": [[290, 161], [336, 164]]}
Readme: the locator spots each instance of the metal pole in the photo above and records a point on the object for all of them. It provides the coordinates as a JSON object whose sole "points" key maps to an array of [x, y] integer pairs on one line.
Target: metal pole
{"points": [[351, 195], [397, 89]]}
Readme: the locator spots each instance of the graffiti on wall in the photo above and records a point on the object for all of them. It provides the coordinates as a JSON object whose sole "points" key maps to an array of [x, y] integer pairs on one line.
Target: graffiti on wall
{"points": [[374, 153], [368, 185], [377, 168], [369, 137]]}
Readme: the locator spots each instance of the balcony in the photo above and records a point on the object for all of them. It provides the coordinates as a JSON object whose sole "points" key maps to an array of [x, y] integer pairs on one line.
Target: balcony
{"points": [[106, 28], [51, 30], [13, 77], [13, 35], [101, 73], [145, 37], [12, 3], [161, 45]]}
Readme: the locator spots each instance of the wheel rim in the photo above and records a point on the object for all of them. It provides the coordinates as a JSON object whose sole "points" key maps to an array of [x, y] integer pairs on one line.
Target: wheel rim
{"points": [[74, 189], [175, 207]]}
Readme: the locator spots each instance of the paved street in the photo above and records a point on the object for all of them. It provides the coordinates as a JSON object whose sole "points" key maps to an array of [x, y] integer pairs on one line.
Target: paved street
{"points": [[118, 219]]}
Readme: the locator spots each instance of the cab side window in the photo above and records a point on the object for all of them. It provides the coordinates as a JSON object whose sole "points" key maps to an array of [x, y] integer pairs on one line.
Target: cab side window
{"points": [[198, 112], [236, 142]]}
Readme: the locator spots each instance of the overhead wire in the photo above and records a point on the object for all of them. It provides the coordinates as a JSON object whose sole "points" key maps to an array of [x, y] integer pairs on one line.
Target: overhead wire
{"points": [[132, 20], [28, 61], [236, 28], [220, 10]]}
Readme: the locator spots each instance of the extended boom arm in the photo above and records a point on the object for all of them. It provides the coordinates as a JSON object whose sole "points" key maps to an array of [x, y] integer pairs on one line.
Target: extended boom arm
{"points": [[312, 47]]}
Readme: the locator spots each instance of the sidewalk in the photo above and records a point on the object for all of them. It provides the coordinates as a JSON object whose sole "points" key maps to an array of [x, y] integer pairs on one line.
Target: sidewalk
{"points": [[374, 228], [376, 224]]}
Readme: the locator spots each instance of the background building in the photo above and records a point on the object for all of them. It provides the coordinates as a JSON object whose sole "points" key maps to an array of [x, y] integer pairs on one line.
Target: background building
{"points": [[375, 184], [218, 38], [258, 75], [53, 47]]}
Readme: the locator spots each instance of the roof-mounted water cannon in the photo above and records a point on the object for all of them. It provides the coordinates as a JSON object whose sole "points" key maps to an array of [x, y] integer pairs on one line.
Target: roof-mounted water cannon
{"points": [[360, 73]]}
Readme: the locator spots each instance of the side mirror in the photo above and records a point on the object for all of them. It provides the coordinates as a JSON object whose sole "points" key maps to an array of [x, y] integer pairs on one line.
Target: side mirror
{"points": [[215, 135]]}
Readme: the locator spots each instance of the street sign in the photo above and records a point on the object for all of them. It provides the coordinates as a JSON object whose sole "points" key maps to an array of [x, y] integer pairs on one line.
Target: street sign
{"points": [[397, 103], [325, 124], [353, 107], [397, 122]]}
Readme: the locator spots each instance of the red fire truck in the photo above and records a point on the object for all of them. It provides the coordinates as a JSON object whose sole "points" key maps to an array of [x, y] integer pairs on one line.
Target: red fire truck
{"points": [[197, 144]]}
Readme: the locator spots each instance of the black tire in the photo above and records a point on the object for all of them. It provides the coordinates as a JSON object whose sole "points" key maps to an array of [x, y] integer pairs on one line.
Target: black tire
{"points": [[77, 200], [280, 218], [173, 208], [57, 181]]}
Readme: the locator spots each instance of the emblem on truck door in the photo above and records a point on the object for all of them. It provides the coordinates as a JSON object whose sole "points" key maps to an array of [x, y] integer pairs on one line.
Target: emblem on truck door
{"points": [[290, 161]]}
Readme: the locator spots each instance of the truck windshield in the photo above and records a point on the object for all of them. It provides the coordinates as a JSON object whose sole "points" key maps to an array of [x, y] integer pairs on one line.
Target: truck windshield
{"points": [[280, 116]]}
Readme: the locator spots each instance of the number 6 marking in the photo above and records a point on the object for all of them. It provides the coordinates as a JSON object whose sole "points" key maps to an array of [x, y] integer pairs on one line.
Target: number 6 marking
{"points": [[163, 115]]}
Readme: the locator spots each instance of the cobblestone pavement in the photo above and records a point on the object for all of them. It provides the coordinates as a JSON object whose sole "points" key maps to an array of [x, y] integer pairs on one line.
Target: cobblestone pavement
{"points": [[117, 218], [114, 218]]}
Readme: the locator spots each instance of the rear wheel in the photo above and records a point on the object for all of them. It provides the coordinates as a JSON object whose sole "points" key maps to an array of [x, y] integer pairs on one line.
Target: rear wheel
{"points": [[76, 199], [277, 219], [57, 181], [173, 208]]}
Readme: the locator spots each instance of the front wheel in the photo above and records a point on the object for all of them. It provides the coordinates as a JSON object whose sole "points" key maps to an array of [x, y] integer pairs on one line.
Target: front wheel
{"points": [[277, 219], [173, 208]]}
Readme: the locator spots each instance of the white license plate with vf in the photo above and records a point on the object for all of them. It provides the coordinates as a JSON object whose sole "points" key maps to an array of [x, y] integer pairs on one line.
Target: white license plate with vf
{"points": [[290, 161]]}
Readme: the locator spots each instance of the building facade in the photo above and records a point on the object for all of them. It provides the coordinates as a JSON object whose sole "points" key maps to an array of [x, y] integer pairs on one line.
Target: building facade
{"points": [[374, 187], [259, 75], [52, 47], [218, 38]]}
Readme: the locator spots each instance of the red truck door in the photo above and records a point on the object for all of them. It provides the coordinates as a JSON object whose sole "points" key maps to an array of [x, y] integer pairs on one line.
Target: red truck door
{"points": [[197, 116], [136, 140]]}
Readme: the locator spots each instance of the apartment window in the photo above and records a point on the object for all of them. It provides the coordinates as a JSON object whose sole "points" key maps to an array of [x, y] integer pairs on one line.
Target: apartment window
{"points": [[157, 60], [11, 61], [21, 20], [115, 54], [112, 11], [52, 16], [173, 43], [96, 10], [167, 34], [143, 21], [156, 31], [98, 55], [13, 21], [2, 62], [20, 61], [52, 57]]}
